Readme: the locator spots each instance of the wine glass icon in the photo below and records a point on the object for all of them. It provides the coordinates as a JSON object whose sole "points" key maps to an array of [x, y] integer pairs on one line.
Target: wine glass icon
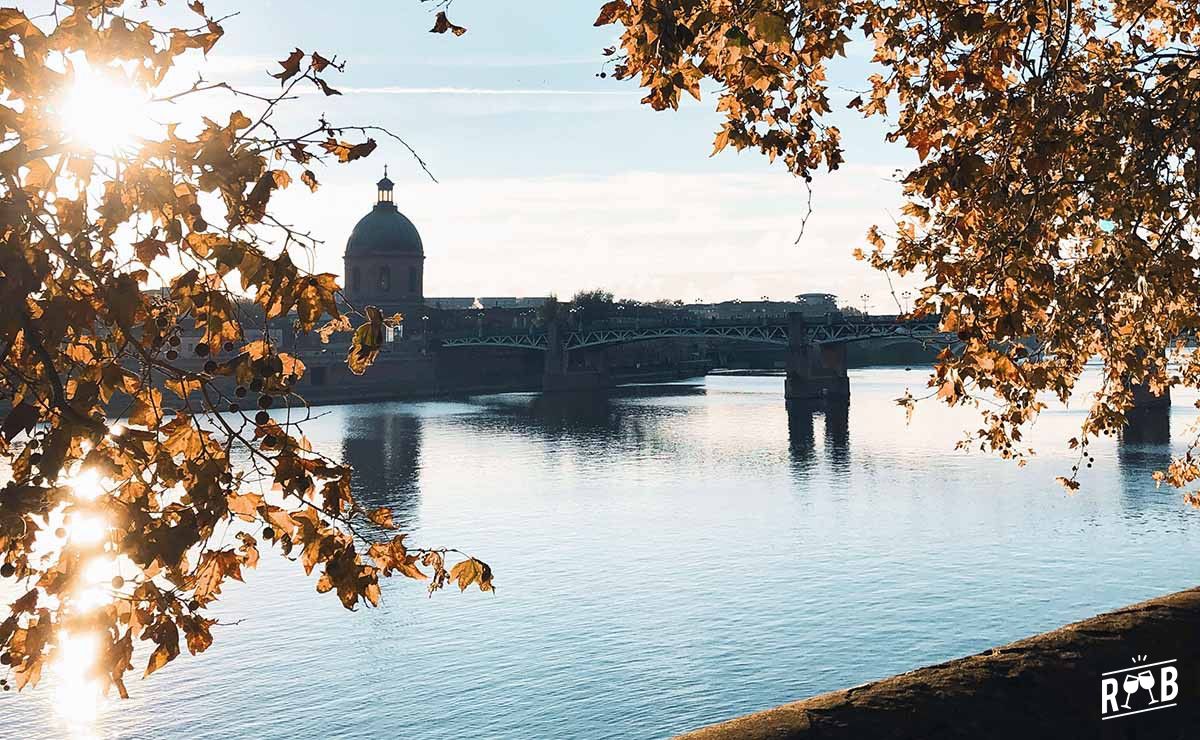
{"points": [[1146, 679], [1131, 685]]}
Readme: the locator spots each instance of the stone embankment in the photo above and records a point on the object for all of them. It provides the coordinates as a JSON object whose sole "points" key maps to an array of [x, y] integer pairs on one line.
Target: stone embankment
{"points": [[1047, 686]]}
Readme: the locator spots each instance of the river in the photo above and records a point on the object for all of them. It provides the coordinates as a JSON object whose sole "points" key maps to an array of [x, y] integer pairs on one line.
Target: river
{"points": [[669, 557]]}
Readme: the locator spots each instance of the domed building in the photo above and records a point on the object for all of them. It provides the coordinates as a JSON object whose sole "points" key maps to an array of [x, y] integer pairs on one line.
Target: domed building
{"points": [[385, 260]]}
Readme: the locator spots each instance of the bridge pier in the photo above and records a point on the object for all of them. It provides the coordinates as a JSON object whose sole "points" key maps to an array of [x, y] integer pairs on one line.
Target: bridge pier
{"points": [[814, 372], [1145, 399], [1149, 421], [559, 377]]}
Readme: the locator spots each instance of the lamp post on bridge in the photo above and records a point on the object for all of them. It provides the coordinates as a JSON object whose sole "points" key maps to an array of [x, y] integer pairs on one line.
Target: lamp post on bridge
{"points": [[866, 304]]}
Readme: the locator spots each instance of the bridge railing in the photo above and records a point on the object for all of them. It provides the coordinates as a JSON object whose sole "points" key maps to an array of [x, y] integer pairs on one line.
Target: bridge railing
{"points": [[687, 322]]}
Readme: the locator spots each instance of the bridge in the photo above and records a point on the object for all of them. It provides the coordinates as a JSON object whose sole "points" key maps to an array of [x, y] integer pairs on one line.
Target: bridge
{"points": [[777, 333], [816, 367]]}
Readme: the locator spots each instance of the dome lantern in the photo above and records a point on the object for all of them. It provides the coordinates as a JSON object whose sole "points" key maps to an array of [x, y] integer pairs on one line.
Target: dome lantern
{"points": [[385, 188]]}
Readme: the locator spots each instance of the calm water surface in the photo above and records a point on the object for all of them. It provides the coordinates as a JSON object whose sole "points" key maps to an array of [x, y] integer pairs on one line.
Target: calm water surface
{"points": [[666, 558]]}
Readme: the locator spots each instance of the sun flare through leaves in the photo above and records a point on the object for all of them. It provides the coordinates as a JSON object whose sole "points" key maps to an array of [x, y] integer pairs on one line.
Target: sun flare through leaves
{"points": [[135, 207]]}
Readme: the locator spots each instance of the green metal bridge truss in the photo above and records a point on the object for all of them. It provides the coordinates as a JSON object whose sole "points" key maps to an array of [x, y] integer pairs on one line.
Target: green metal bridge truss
{"points": [[774, 333]]}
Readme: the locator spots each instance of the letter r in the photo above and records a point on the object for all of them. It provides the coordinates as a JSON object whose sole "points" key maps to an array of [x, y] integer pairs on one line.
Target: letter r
{"points": [[1108, 693]]}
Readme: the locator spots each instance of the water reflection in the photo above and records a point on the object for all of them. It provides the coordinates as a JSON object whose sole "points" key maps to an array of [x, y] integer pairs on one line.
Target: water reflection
{"points": [[584, 417], [837, 434], [835, 417], [385, 452], [76, 536], [77, 695], [570, 414], [1144, 447], [801, 437]]}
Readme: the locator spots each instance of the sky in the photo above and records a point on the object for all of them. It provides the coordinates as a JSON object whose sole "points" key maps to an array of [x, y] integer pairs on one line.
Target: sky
{"points": [[551, 180]]}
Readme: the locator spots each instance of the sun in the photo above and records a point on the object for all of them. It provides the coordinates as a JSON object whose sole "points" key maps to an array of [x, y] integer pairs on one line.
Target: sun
{"points": [[103, 110]]}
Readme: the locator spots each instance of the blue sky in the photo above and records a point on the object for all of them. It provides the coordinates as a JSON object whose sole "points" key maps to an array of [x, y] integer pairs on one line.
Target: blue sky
{"points": [[552, 180]]}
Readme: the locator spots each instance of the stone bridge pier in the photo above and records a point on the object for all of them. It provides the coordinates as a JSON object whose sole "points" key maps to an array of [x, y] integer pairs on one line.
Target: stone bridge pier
{"points": [[560, 376], [814, 371], [1145, 399], [1149, 421]]}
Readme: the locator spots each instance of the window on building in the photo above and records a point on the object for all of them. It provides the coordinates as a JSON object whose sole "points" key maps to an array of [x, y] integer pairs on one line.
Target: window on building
{"points": [[385, 279], [412, 280], [356, 280]]}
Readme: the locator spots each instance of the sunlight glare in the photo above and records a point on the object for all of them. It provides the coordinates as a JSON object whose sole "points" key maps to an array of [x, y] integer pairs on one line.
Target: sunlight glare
{"points": [[103, 111], [99, 570], [77, 695], [86, 529], [93, 591], [86, 485]]}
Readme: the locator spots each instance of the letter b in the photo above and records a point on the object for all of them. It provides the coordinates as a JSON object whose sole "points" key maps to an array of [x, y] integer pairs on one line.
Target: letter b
{"points": [[1170, 684]]}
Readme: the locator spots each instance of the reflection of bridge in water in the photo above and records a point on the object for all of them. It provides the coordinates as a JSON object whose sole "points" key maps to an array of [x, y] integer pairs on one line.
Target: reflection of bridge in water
{"points": [[816, 364]]}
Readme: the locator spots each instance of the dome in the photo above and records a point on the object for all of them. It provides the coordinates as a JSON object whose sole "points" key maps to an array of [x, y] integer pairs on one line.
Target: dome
{"points": [[383, 231]]}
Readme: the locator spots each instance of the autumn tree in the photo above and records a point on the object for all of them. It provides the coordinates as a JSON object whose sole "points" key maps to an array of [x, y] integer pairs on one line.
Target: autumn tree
{"points": [[590, 305], [124, 454], [1053, 212]]}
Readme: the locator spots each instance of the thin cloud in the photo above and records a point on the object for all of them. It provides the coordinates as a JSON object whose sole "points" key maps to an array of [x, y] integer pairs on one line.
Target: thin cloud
{"points": [[390, 90], [517, 92], [596, 59]]}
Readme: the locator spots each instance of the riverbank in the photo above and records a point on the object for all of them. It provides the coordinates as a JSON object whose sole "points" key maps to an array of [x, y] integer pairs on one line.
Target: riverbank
{"points": [[1047, 686]]}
